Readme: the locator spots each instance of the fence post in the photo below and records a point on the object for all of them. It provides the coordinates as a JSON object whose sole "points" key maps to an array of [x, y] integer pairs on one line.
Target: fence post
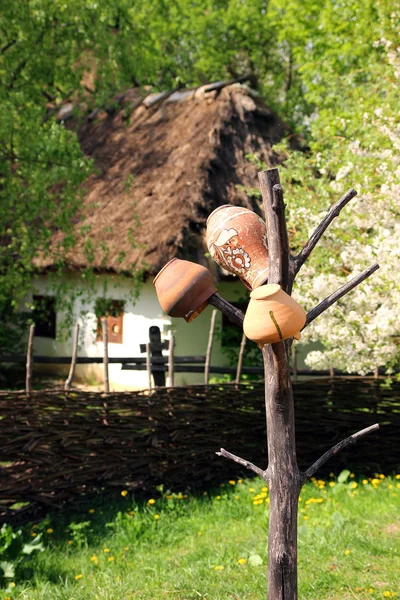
{"points": [[148, 365], [240, 360], [171, 361], [73, 359], [209, 347], [29, 360], [105, 357]]}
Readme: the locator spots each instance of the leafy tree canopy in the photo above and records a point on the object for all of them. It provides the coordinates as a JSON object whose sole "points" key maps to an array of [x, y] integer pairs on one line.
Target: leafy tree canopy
{"points": [[331, 69]]}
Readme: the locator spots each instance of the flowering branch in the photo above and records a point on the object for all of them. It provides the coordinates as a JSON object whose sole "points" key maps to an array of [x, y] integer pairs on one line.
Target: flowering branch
{"points": [[299, 260], [343, 444], [345, 289], [241, 461]]}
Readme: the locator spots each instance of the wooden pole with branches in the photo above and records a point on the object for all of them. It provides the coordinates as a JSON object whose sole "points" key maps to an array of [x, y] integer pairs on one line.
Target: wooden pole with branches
{"points": [[282, 475]]}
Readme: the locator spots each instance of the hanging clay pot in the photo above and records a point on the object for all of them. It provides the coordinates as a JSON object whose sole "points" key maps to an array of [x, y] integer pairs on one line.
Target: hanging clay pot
{"points": [[237, 241], [272, 315], [183, 288]]}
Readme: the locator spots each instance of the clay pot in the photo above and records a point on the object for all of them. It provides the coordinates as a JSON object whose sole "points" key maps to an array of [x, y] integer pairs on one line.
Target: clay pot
{"points": [[237, 241], [272, 315], [183, 288]]}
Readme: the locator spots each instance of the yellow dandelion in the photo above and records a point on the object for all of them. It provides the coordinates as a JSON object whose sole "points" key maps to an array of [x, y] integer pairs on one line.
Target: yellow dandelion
{"points": [[381, 476], [199, 533], [219, 568], [300, 498], [264, 489], [151, 501], [218, 497], [33, 534], [94, 558], [332, 484], [131, 513], [398, 485], [371, 590], [305, 517], [50, 530], [6, 598], [70, 542], [13, 584], [126, 548], [110, 558], [106, 550], [156, 517], [347, 552], [241, 480], [78, 576], [242, 561], [354, 485], [91, 510], [397, 476], [351, 475], [365, 481], [358, 589], [118, 578], [232, 482], [252, 490], [124, 493], [236, 497]]}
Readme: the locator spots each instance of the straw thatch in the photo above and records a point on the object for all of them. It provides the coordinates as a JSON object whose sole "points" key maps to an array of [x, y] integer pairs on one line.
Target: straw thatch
{"points": [[163, 168]]}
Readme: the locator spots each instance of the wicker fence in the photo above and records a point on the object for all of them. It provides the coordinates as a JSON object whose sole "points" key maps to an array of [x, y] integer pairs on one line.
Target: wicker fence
{"points": [[56, 446]]}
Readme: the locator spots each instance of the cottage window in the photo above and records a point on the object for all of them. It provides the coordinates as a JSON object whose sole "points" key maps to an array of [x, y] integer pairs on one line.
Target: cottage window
{"points": [[44, 316], [113, 310]]}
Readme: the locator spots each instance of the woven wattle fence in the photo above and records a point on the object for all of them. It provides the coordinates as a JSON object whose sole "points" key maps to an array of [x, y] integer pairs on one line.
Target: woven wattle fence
{"points": [[55, 447]]}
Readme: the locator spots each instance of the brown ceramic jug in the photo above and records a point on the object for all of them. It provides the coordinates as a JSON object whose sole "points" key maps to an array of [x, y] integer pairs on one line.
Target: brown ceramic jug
{"points": [[183, 288], [272, 315], [237, 241]]}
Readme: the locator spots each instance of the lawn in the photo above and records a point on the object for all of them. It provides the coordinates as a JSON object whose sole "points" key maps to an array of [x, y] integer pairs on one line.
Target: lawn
{"points": [[214, 546]]}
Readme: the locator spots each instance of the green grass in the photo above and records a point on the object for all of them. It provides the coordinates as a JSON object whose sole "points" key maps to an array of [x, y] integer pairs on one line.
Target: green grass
{"points": [[185, 548]]}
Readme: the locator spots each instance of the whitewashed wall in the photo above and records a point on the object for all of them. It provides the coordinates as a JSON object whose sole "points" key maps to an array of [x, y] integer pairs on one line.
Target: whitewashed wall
{"points": [[191, 338]]}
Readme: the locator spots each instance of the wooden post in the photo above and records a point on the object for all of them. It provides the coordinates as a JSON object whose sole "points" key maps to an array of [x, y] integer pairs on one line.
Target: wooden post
{"points": [[73, 359], [105, 356], [209, 347], [240, 360], [376, 373], [148, 366], [171, 360], [331, 371], [29, 360], [283, 475]]}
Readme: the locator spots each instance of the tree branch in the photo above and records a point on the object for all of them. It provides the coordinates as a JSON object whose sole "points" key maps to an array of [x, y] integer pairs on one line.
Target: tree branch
{"points": [[278, 245], [345, 289], [343, 444], [241, 461], [333, 212], [234, 314]]}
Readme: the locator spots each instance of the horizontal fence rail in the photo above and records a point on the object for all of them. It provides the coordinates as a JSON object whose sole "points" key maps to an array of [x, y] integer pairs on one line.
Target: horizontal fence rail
{"points": [[57, 445]]}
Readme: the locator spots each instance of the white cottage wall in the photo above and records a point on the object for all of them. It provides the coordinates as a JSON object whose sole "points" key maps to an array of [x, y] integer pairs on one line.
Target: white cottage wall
{"points": [[191, 338]]}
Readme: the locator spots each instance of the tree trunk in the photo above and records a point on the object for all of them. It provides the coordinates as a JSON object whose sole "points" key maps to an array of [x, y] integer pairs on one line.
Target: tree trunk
{"points": [[283, 475]]}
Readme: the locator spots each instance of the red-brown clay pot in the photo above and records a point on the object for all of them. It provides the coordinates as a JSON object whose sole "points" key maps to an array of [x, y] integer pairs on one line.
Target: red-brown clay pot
{"points": [[237, 241], [272, 315], [183, 288]]}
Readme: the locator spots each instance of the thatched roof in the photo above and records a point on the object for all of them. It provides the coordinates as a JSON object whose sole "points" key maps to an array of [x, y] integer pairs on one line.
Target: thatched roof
{"points": [[161, 172]]}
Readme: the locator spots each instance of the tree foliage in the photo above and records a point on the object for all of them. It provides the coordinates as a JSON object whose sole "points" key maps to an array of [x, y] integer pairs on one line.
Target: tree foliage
{"points": [[331, 69]]}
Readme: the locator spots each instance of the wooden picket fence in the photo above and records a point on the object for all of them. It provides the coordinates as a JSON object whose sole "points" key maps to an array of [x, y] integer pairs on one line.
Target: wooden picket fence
{"points": [[58, 445]]}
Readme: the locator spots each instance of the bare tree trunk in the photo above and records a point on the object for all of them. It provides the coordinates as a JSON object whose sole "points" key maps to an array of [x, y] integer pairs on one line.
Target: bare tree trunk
{"points": [[283, 476]]}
